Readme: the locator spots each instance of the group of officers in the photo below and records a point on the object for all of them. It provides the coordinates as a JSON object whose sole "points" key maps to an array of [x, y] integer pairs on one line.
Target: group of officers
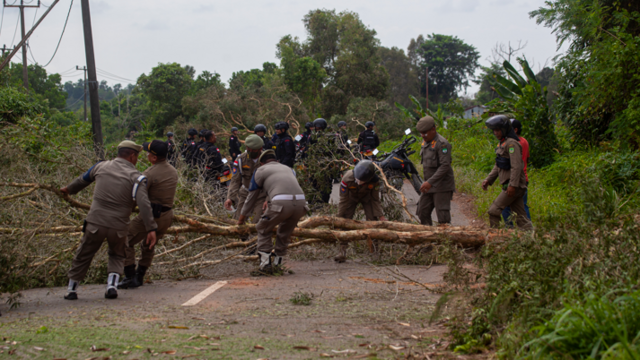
{"points": [[264, 187]]}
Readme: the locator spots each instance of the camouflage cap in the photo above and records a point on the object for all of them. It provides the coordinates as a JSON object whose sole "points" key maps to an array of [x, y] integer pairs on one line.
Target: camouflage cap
{"points": [[425, 124], [254, 142], [128, 144], [265, 153]]}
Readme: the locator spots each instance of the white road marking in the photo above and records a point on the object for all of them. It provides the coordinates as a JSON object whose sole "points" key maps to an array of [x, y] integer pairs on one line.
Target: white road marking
{"points": [[203, 295]]}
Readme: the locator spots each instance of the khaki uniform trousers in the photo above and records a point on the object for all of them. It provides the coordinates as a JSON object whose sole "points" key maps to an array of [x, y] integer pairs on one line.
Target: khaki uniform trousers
{"points": [[91, 242], [517, 206], [441, 201], [257, 210], [347, 208], [285, 215], [138, 234]]}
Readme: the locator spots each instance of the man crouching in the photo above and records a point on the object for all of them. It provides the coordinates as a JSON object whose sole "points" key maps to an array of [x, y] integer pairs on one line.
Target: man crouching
{"points": [[285, 205]]}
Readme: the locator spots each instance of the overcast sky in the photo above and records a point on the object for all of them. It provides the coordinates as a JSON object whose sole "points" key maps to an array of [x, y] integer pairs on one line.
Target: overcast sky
{"points": [[132, 36]]}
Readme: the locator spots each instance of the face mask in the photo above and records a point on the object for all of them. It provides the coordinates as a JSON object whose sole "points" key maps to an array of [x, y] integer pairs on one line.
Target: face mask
{"points": [[254, 155], [360, 182]]}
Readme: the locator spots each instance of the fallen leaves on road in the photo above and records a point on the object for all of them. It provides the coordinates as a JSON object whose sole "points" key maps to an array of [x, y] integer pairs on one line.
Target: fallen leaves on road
{"points": [[11, 352], [304, 348], [405, 324], [318, 331], [197, 318], [178, 327], [259, 347], [37, 348], [126, 352], [396, 348], [94, 348], [169, 352], [326, 355]]}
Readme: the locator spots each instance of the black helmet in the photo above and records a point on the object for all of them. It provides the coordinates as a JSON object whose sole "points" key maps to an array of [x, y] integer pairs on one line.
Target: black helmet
{"points": [[308, 126], [203, 132], [320, 123], [369, 124], [192, 132], [259, 128], [342, 123], [234, 129], [282, 125], [499, 122], [364, 171], [169, 134]]}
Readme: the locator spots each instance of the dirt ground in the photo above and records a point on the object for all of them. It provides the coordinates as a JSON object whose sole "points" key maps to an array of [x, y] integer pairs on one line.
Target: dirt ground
{"points": [[354, 310]]}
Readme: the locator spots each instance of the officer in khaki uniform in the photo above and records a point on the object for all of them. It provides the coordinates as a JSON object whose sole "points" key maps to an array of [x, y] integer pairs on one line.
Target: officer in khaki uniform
{"points": [[439, 185], [119, 187], [162, 180], [509, 169], [242, 169], [359, 186], [285, 206]]}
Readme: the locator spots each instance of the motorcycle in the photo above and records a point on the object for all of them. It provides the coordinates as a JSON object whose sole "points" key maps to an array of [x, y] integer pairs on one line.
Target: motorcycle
{"points": [[397, 166]]}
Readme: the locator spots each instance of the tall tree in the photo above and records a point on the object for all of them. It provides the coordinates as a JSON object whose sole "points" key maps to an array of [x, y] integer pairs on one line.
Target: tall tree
{"points": [[403, 77], [347, 51], [598, 76], [165, 87], [451, 64]]}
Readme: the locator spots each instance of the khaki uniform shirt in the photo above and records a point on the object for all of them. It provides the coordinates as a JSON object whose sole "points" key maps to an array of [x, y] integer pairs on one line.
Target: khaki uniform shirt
{"points": [[511, 149], [162, 180], [365, 193], [274, 179], [113, 196], [242, 169], [436, 164]]}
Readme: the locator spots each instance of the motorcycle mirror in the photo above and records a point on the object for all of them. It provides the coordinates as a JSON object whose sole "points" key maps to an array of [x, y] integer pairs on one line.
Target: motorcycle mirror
{"points": [[298, 138], [375, 152], [224, 160], [407, 132], [349, 142]]}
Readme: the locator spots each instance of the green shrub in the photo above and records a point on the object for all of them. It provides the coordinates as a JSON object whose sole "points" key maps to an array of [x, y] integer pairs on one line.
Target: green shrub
{"points": [[594, 328]]}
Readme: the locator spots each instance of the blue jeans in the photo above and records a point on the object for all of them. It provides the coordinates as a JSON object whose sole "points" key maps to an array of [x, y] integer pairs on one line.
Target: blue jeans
{"points": [[507, 211]]}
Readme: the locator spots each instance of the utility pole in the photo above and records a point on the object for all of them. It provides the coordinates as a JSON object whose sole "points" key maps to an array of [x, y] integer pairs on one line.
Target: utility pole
{"points": [[96, 125], [6, 61], [427, 90], [4, 50], [25, 76], [85, 90]]}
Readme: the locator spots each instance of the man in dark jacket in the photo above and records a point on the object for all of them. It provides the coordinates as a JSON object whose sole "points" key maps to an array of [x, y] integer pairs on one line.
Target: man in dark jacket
{"points": [[261, 131], [285, 147], [368, 139], [234, 143]]}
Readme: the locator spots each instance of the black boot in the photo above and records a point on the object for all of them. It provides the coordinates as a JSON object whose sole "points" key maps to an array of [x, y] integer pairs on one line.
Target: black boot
{"points": [[129, 277], [139, 278]]}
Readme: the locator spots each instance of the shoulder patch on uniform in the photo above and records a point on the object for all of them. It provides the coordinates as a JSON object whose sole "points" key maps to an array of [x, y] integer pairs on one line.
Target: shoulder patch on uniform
{"points": [[511, 150], [444, 150], [234, 169]]}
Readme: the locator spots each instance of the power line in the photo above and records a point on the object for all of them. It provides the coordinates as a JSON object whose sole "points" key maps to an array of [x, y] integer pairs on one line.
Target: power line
{"points": [[113, 75], [15, 32], [61, 35]]}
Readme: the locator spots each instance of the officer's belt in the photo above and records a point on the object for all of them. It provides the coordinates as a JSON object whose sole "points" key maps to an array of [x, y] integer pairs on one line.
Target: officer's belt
{"points": [[288, 197]]}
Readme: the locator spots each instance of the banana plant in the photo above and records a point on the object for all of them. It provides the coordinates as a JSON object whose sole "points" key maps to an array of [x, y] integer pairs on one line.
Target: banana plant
{"points": [[526, 100]]}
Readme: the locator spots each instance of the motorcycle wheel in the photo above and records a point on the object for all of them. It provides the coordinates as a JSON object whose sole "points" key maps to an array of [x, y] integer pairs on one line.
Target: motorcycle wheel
{"points": [[416, 181]]}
